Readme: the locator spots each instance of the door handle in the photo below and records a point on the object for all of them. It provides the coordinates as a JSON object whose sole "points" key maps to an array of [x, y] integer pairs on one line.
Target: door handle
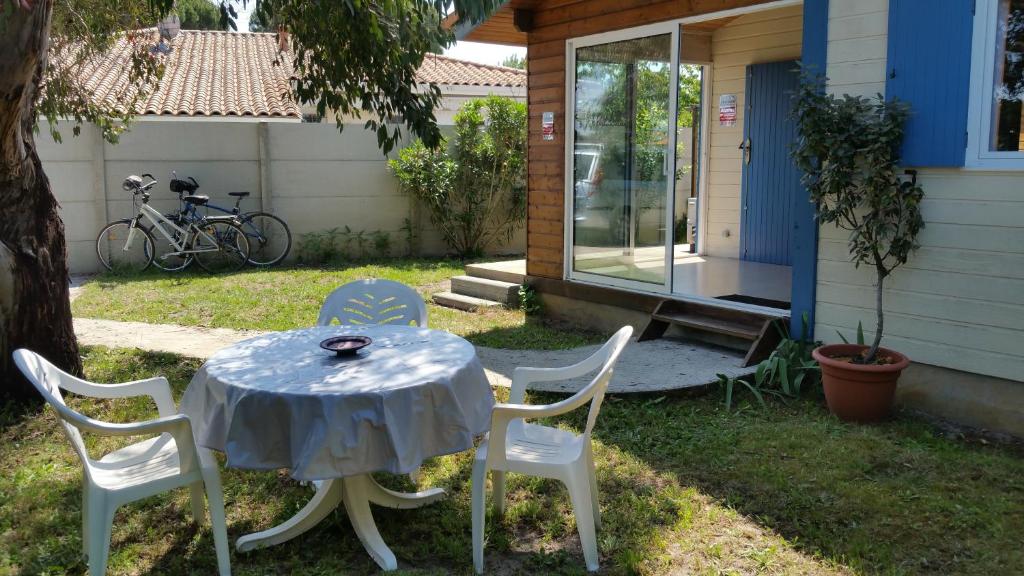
{"points": [[747, 146]]}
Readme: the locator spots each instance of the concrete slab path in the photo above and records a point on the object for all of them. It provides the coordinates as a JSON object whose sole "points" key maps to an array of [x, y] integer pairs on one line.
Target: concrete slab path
{"points": [[652, 366]]}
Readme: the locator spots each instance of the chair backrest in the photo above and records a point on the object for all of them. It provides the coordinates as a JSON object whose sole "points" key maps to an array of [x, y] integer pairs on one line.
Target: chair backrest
{"points": [[49, 380], [374, 301], [607, 356]]}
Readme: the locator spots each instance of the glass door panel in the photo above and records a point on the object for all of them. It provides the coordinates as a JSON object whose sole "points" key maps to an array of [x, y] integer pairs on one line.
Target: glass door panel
{"points": [[620, 166]]}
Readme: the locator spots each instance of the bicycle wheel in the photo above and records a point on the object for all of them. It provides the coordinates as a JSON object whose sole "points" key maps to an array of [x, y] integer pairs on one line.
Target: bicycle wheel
{"points": [[119, 255], [166, 256], [269, 238], [220, 246]]}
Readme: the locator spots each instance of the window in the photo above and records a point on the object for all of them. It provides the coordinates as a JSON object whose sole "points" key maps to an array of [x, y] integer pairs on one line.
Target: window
{"points": [[1008, 85], [996, 128]]}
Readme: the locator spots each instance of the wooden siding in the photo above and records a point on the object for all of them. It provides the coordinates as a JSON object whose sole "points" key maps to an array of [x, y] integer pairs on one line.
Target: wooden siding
{"points": [[959, 302], [555, 22], [760, 37]]}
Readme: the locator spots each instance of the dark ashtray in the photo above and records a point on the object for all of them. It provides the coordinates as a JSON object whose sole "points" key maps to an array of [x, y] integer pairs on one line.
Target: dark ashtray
{"points": [[346, 345]]}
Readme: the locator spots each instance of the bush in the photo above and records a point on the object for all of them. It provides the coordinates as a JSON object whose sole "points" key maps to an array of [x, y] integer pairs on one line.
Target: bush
{"points": [[343, 244], [475, 188], [849, 152]]}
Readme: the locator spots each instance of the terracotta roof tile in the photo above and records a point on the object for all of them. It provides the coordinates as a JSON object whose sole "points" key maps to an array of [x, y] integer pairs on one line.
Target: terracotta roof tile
{"points": [[444, 70], [212, 73]]}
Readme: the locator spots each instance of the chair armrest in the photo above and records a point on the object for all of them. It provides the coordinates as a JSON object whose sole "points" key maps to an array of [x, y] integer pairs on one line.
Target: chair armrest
{"points": [[178, 426], [156, 388], [503, 414], [523, 376]]}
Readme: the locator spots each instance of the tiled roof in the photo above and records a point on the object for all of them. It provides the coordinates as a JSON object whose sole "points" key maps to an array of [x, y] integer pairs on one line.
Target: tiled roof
{"points": [[444, 70], [212, 73], [207, 73]]}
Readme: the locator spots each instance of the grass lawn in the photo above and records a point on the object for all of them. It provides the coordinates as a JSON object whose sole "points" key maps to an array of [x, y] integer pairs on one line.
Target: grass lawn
{"points": [[286, 298], [686, 488]]}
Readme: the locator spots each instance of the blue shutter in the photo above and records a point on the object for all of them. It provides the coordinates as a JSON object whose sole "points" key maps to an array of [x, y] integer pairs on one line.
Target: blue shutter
{"points": [[929, 66], [805, 226]]}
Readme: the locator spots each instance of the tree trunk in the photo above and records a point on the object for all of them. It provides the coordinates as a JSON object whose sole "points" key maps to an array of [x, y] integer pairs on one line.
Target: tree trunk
{"points": [[35, 312]]}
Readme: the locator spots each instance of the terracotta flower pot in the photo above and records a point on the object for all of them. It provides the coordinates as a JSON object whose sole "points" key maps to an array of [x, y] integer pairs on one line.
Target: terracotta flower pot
{"points": [[858, 392]]}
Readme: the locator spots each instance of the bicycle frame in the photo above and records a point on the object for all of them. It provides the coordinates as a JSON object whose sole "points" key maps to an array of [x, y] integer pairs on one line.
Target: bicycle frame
{"points": [[158, 221]]}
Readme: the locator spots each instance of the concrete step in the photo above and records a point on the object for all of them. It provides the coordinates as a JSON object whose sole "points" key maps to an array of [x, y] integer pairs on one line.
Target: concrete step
{"points": [[513, 271], [462, 302], [506, 293]]}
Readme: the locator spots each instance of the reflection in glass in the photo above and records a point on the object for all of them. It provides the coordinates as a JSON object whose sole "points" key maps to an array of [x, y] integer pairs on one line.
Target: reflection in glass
{"points": [[1009, 78], [620, 168]]}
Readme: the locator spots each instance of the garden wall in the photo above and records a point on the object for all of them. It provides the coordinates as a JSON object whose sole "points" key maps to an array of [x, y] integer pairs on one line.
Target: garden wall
{"points": [[308, 174]]}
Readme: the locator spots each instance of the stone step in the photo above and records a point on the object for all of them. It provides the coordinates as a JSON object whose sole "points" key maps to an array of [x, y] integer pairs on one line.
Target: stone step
{"points": [[513, 271], [506, 293], [462, 302]]}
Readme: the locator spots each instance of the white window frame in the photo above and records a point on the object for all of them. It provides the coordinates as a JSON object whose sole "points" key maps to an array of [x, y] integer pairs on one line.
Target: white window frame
{"points": [[979, 115]]}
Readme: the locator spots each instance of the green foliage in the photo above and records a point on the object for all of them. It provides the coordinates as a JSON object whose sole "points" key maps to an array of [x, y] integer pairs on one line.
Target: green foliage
{"points": [[860, 335], [529, 300], [361, 58], [198, 15], [79, 31], [343, 244], [848, 150], [514, 61], [474, 190], [789, 372]]}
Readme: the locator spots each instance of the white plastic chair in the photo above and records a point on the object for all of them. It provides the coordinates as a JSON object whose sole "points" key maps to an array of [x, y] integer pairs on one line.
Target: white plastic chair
{"points": [[374, 301], [513, 445], [170, 460]]}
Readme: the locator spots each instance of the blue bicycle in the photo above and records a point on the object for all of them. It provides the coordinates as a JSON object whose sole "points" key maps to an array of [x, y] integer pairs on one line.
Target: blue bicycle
{"points": [[269, 238]]}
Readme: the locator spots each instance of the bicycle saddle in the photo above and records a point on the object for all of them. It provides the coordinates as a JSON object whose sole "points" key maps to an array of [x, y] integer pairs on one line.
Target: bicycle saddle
{"points": [[238, 194], [196, 199], [180, 186]]}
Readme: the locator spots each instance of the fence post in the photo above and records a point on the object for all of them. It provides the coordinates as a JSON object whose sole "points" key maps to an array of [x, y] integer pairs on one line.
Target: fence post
{"points": [[266, 199], [99, 185]]}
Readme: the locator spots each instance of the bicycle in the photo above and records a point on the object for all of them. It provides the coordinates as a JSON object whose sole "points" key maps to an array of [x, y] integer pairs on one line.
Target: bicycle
{"points": [[217, 243], [269, 238]]}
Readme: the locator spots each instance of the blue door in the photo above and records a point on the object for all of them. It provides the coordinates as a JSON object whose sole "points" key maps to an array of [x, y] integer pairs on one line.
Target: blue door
{"points": [[771, 182]]}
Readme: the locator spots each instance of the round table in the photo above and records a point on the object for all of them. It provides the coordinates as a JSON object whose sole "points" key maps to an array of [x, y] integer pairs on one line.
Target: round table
{"points": [[280, 401]]}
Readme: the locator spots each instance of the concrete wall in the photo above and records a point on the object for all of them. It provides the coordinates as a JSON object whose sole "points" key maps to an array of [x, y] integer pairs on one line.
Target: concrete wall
{"points": [[308, 174], [760, 37]]}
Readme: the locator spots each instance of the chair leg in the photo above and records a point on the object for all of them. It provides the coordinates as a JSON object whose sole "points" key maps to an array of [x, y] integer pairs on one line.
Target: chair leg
{"points": [[498, 491], [85, 521], [101, 522], [197, 500], [592, 473], [479, 496], [583, 508], [218, 523]]}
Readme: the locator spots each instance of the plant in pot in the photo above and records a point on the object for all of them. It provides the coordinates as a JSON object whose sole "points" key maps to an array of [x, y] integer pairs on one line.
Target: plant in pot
{"points": [[848, 150]]}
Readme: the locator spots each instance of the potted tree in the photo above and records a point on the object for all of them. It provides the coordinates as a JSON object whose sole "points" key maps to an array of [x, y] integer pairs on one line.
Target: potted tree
{"points": [[848, 150]]}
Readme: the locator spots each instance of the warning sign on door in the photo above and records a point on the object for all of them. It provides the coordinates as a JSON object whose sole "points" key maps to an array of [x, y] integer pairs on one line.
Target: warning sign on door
{"points": [[547, 125], [727, 110]]}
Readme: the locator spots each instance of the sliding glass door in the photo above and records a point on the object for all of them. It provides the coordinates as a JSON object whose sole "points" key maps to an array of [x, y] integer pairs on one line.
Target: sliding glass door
{"points": [[621, 172]]}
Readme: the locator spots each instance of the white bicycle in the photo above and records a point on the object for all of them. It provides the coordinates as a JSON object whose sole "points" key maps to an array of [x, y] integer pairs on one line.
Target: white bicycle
{"points": [[217, 243]]}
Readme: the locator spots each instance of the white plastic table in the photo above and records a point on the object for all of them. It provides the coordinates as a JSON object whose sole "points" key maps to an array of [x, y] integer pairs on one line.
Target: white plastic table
{"points": [[280, 401]]}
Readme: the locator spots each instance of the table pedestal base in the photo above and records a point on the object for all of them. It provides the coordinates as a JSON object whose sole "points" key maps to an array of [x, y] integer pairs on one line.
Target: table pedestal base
{"points": [[357, 492]]}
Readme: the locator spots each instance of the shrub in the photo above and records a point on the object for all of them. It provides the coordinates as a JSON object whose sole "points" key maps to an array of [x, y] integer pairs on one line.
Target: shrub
{"points": [[474, 188], [342, 244], [849, 152]]}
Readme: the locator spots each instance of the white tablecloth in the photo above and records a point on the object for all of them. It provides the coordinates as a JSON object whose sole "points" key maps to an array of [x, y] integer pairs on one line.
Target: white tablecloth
{"points": [[280, 401]]}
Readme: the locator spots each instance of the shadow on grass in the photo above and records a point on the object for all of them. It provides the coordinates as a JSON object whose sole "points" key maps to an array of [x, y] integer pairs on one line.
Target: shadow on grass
{"points": [[536, 334], [894, 498], [194, 272]]}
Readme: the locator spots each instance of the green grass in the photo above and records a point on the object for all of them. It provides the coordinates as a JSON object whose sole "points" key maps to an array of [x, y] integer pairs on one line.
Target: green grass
{"points": [[686, 488], [286, 298]]}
